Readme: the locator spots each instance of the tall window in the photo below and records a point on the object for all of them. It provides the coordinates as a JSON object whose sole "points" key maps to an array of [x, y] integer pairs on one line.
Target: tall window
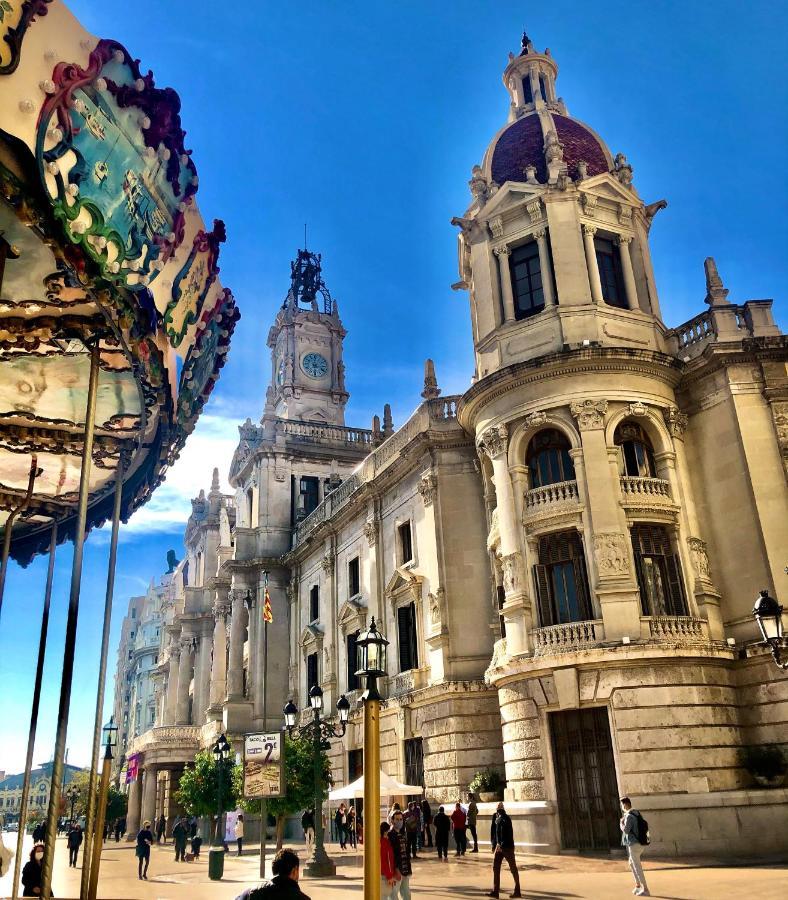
{"points": [[249, 507], [636, 449], [408, 641], [352, 661], [308, 496], [548, 458], [355, 764], [608, 259], [528, 90], [353, 577], [543, 88], [311, 673], [501, 595], [658, 571], [414, 761], [526, 280], [314, 603], [561, 580], [405, 543]]}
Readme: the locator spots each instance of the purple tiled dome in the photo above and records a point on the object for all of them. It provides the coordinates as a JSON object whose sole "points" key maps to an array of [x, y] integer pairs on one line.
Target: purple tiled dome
{"points": [[522, 145]]}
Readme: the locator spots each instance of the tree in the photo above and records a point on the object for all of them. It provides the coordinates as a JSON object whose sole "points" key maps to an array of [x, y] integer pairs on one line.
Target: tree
{"points": [[198, 790], [117, 804], [299, 780]]}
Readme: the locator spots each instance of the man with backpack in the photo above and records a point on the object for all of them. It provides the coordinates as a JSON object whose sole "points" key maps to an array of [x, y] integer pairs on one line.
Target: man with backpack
{"points": [[634, 836]]}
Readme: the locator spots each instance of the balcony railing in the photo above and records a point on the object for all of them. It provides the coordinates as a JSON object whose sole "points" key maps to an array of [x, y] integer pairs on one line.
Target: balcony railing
{"points": [[541, 497], [642, 488], [567, 637], [319, 433], [682, 629], [166, 734]]}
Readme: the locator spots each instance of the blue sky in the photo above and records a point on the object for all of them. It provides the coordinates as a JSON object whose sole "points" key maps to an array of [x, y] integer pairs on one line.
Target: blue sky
{"points": [[364, 119]]}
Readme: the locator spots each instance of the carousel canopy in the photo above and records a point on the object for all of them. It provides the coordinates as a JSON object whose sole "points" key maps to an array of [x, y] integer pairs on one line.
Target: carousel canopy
{"points": [[102, 249]]}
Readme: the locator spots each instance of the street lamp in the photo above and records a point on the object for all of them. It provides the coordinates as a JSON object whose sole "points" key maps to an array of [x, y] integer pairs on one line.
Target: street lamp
{"points": [[371, 659], [110, 739], [221, 753], [769, 616], [72, 792], [320, 865]]}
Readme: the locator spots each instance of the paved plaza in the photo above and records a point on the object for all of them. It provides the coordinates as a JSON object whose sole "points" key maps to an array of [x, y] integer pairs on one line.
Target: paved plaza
{"points": [[543, 877]]}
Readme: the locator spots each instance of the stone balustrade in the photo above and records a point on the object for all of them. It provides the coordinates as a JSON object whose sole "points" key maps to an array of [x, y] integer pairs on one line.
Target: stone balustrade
{"points": [[567, 637], [721, 322], [677, 629], [694, 331], [319, 433], [637, 488], [561, 492], [166, 734], [444, 408]]}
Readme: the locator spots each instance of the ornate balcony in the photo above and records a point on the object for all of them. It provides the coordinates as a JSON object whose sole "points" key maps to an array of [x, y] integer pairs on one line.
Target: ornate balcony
{"points": [[568, 637], [650, 489], [542, 498], [677, 629]]}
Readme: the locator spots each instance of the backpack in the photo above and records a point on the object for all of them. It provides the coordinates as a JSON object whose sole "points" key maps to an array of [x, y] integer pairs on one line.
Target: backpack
{"points": [[411, 823], [642, 824]]}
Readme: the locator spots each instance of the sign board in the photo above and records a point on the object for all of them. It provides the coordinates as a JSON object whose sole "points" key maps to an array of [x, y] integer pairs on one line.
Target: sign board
{"points": [[264, 765]]}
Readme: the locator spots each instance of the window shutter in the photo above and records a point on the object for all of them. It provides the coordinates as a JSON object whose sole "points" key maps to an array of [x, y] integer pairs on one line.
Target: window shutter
{"points": [[644, 605], [403, 633], [414, 644], [581, 586], [544, 595], [677, 596]]}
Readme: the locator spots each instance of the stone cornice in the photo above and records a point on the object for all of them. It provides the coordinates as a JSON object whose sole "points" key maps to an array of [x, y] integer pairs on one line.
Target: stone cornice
{"points": [[718, 356]]}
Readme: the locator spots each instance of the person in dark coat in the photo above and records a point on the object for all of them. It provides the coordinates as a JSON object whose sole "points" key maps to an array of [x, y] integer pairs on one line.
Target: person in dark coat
{"points": [[399, 844], [502, 840], [161, 828], [426, 822], [74, 842], [284, 884], [39, 833], [179, 835], [31, 873], [142, 850], [442, 828]]}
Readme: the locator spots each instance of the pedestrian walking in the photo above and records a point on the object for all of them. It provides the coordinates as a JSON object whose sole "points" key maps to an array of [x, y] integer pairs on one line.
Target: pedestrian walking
{"points": [[31, 873], [308, 824], [395, 808], [634, 836], [116, 831], [502, 840], [442, 828], [388, 870], [142, 850], [179, 839], [473, 812], [340, 820], [402, 866], [412, 821], [39, 833], [74, 839], [196, 843], [351, 827], [161, 828], [458, 822], [284, 884], [238, 831], [426, 823]]}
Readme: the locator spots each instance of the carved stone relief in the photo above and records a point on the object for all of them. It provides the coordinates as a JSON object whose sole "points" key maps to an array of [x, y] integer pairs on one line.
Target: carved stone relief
{"points": [[428, 487], [611, 554], [510, 564], [589, 413], [494, 441], [327, 562], [700, 558], [675, 420], [536, 419], [371, 532], [638, 409]]}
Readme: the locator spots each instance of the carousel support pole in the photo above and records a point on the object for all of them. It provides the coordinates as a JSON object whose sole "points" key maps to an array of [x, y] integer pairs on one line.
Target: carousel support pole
{"points": [[98, 838], [97, 726], [71, 628], [31, 737], [9, 524]]}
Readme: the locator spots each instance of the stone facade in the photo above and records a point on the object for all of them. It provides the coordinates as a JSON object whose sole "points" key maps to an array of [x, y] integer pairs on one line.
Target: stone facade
{"points": [[564, 558]]}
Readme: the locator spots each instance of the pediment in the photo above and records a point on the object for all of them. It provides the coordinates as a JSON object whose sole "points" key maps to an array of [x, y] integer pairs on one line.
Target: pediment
{"points": [[310, 635], [352, 613], [512, 194], [606, 187], [404, 580]]}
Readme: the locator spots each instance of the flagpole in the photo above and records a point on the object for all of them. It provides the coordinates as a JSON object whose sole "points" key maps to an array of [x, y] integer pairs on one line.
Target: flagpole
{"points": [[263, 802]]}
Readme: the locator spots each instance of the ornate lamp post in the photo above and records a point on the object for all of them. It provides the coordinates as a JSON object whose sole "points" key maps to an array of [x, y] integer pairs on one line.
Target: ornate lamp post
{"points": [[72, 792], [221, 753], [371, 648], [769, 616], [110, 737], [320, 865]]}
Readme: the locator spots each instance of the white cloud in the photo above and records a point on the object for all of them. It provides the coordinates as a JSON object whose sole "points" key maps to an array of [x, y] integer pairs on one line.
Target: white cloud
{"points": [[211, 444]]}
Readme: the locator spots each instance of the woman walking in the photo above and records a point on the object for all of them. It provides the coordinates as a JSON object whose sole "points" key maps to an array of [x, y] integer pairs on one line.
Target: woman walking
{"points": [[144, 841], [31, 874], [351, 827], [340, 820]]}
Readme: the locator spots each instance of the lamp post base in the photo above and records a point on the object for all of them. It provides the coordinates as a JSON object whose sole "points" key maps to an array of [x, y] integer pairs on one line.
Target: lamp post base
{"points": [[320, 865], [216, 863]]}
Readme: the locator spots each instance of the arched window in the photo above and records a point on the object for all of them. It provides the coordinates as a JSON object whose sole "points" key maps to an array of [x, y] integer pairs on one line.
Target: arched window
{"points": [[636, 449], [548, 458]]}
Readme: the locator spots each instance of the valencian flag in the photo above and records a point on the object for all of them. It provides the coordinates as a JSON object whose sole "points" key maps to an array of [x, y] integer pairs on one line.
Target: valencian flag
{"points": [[268, 615]]}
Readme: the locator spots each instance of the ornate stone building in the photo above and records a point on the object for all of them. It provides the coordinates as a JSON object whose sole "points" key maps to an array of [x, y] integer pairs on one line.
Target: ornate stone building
{"points": [[564, 558]]}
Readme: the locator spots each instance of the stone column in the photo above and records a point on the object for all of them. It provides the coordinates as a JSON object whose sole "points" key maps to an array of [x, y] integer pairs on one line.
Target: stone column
{"points": [[544, 265], [503, 253], [593, 269], [630, 286], [202, 674], [218, 689], [184, 677], [134, 809], [235, 676], [171, 700], [516, 609], [149, 794]]}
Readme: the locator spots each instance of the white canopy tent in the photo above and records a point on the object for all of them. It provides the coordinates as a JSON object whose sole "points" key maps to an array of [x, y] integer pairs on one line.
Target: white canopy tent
{"points": [[389, 787]]}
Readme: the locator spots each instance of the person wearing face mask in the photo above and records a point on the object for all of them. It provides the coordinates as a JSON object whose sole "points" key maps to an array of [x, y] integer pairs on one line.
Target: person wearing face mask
{"points": [[31, 874], [402, 866]]}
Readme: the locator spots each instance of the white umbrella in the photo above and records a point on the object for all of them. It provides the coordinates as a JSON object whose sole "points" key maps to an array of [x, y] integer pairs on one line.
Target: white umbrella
{"points": [[389, 787]]}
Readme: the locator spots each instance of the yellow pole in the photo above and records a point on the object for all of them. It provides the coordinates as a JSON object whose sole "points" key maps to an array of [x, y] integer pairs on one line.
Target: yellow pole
{"points": [[98, 834], [372, 799]]}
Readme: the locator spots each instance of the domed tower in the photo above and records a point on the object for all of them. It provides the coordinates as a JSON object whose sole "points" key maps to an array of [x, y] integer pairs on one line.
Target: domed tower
{"points": [[554, 246]]}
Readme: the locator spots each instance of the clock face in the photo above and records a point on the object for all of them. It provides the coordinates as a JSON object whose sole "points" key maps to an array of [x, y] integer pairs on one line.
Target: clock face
{"points": [[314, 365]]}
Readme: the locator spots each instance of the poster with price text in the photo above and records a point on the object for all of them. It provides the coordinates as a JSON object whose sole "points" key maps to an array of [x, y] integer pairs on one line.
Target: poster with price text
{"points": [[264, 765]]}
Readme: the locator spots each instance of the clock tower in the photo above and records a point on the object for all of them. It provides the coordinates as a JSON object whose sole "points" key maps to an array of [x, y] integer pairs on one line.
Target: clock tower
{"points": [[308, 375]]}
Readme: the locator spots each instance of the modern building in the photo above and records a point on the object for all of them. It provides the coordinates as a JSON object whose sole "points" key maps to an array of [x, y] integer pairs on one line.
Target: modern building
{"points": [[564, 558], [40, 785]]}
